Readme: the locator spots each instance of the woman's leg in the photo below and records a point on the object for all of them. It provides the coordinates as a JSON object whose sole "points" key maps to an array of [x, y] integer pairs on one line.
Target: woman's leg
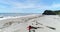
{"points": [[29, 30]]}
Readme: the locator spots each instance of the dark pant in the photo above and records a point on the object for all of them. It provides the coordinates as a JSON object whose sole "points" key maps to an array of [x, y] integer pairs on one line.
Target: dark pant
{"points": [[31, 30]]}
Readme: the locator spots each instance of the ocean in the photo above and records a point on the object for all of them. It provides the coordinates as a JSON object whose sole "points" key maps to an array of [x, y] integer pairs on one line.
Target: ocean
{"points": [[16, 14]]}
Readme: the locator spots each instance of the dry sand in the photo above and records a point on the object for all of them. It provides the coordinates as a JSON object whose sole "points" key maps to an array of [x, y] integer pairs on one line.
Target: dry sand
{"points": [[48, 23]]}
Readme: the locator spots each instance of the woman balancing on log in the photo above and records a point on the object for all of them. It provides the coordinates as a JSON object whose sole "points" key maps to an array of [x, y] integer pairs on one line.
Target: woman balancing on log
{"points": [[31, 28]]}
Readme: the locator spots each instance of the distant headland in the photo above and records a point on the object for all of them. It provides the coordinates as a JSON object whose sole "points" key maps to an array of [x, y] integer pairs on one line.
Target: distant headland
{"points": [[51, 12]]}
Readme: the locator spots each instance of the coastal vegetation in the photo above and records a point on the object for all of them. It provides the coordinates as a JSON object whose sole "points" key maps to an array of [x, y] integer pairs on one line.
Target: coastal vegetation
{"points": [[51, 12]]}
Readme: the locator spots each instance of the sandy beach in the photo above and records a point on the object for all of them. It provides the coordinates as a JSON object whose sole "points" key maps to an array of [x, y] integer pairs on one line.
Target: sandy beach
{"points": [[49, 23]]}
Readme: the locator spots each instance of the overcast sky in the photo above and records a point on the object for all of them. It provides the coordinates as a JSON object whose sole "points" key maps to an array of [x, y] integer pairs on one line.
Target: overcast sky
{"points": [[28, 6]]}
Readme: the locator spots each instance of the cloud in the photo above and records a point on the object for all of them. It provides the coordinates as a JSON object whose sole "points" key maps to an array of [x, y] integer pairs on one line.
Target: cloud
{"points": [[24, 5]]}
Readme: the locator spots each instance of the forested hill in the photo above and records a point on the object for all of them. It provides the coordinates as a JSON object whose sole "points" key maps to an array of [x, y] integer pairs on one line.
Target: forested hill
{"points": [[51, 12]]}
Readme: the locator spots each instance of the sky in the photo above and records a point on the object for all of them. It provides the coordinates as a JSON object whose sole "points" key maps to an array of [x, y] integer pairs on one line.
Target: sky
{"points": [[28, 6]]}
